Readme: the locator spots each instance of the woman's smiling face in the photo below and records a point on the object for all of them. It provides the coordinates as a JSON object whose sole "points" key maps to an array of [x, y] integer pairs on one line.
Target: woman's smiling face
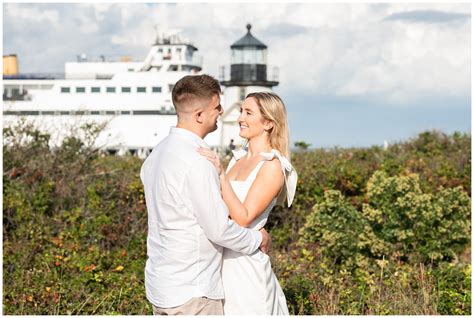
{"points": [[251, 121]]}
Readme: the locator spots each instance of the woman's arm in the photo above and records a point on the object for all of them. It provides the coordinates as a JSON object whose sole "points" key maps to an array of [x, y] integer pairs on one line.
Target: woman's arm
{"points": [[266, 186]]}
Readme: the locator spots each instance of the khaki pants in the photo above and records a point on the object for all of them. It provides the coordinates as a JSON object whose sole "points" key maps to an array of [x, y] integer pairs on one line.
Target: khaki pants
{"points": [[194, 306]]}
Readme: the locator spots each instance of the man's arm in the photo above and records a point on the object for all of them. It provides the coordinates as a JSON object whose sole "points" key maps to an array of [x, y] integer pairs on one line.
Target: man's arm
{"points": [[202, 191]]}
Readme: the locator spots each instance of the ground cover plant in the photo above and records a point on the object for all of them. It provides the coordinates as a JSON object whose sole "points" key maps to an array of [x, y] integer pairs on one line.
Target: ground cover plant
{"points": [[371, 231]]}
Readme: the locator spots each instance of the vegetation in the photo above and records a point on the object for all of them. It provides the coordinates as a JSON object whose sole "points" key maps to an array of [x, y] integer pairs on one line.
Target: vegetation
{"points": [[371, 231]]}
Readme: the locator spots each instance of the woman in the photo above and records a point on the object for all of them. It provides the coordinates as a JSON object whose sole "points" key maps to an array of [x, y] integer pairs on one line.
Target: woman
{"points": [[254, 181]]}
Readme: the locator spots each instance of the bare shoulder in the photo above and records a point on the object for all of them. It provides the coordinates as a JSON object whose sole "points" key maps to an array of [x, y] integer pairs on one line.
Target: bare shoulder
{"points": [[272, 169]]}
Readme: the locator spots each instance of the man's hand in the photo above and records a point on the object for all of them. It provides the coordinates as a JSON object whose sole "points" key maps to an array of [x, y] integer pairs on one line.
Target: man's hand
{"points": [[266, 241]]}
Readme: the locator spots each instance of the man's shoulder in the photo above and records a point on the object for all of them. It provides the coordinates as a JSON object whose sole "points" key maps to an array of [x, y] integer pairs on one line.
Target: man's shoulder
{"points": [[178, 152]]}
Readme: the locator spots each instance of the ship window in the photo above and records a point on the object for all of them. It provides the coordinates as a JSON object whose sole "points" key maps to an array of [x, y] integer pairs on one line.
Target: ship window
{"points": [[63, 113], [156, 89], [170, 86], [173, 68], [130, 69], [80, 89], [125, 112], [178, 50], [80, 112], [126, 90], [29, 112], [160, 50], [9, 112], [141, 89], [146, 112], [95, 89], [95, 112], [47, 113], [110, 112], [110, 89], [65, 90]]}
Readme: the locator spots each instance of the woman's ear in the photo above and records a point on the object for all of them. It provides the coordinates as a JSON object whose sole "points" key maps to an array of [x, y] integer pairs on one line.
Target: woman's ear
{"points": [[268, 126]]}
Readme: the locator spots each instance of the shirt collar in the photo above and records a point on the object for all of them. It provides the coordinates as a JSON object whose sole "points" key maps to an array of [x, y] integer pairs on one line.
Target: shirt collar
{"points": [[189, 135]]}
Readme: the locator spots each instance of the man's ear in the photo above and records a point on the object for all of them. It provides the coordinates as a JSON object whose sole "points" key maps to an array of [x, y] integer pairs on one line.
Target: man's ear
{"points": [[199, 116]]}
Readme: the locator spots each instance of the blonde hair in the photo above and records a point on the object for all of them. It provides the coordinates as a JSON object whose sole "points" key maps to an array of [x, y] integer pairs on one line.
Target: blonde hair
{"points": [[273, 109]]}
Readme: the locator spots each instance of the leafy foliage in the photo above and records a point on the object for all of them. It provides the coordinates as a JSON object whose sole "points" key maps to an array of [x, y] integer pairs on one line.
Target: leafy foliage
{"points": [[370, 231]]}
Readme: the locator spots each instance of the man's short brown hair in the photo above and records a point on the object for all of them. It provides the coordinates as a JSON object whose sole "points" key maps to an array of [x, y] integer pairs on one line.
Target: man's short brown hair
{"points": [[192, 88]]}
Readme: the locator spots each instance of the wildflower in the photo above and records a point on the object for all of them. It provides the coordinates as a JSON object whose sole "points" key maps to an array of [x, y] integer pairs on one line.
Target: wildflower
{"points": [[118, 268]]}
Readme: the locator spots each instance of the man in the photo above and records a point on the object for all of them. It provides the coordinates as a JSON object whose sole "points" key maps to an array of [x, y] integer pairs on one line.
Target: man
{"points": [[188, 223]]}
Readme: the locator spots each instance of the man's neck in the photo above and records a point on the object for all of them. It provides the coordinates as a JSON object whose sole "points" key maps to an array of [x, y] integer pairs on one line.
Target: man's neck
{"points": [[191, 128]]}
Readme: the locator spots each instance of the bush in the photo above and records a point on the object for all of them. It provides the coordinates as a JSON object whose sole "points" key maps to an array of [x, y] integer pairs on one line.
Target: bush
{"points": [[398, 222], [369, 231]]}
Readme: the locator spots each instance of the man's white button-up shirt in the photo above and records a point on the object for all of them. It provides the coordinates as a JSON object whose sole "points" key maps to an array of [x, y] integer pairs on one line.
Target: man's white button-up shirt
{"points": [[188, 223]]}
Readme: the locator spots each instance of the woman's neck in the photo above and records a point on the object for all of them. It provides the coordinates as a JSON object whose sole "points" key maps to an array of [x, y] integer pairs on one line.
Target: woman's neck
{"points": [[258, 145]]}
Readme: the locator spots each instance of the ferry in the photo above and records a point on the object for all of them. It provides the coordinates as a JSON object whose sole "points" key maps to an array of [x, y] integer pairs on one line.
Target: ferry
{"points": [[131, 98]]}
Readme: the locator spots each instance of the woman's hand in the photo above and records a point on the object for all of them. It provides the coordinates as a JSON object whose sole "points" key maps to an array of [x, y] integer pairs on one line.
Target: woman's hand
{"points": [[213, 157]]}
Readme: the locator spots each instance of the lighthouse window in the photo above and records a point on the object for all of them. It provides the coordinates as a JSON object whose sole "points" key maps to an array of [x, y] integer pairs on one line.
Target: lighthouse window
{"points": [[156, 89], [65, 90], [126, 90], [95, 89], [80, 89], [242, 93], [110, 89], [141, 89]]}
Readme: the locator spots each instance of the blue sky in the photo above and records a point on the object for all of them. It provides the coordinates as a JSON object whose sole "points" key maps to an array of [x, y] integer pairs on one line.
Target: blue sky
{"points": [[350, 74]]}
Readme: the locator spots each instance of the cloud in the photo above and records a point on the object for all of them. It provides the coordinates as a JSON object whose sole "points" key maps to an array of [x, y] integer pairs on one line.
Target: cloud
{"points": [[428, 16], [340, 50]]}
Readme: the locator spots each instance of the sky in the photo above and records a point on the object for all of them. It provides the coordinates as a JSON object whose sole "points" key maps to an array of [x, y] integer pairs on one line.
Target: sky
{"points": [[351, 75]]}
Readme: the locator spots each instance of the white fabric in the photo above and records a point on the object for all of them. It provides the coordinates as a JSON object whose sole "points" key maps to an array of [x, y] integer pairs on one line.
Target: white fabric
{"points": [[291, 177], [188, 223], [250, 286]]}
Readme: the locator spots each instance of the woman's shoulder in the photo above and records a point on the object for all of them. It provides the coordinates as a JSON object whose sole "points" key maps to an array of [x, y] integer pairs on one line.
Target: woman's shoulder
{"points": [[272, 167]]}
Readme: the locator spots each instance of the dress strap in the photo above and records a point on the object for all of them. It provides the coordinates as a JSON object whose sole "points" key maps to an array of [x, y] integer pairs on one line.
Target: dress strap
{"points": [[255, 171], [291, 177], [236, 155]]}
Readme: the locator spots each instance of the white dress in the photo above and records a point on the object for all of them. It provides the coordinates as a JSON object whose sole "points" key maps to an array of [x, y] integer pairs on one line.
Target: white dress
{"points": [[250, 286]]}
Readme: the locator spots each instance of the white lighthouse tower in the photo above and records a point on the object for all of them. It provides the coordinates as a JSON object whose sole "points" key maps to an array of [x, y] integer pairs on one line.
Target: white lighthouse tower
{"points": [[248, 74]]}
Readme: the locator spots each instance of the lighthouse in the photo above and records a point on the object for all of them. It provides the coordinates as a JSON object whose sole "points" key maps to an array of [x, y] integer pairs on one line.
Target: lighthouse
{"points": [[248, 74]]}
